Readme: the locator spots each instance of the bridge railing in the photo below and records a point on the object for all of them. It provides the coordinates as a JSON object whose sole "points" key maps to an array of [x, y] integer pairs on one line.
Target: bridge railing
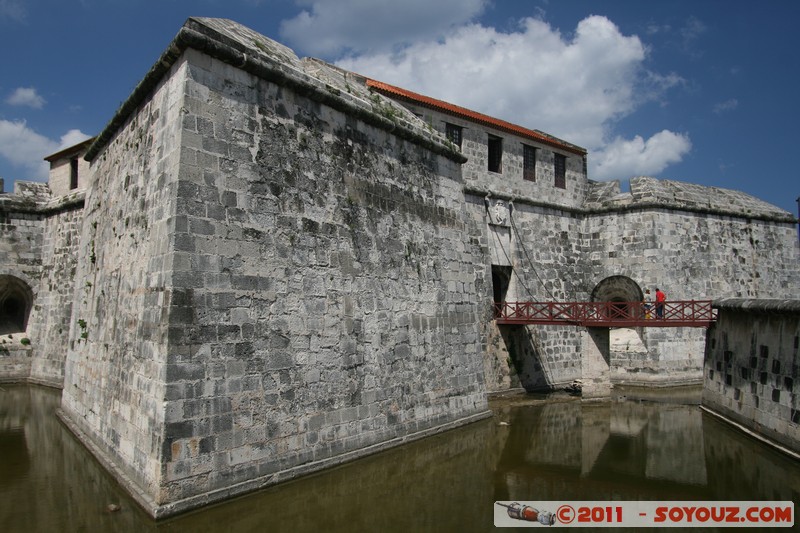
{"points": [[691, 313]]}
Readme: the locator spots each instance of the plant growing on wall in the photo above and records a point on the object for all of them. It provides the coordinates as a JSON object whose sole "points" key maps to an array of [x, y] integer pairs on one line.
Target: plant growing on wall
{"points": [[84, 332]]}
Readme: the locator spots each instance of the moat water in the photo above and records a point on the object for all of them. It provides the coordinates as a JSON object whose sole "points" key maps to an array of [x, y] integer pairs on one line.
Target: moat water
{"points": [[649, 446]]}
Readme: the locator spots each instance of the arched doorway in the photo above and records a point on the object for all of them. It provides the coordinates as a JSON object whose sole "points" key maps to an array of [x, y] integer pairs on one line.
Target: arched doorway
{"points": [[623, 348], [16, 300], [617, 290]]}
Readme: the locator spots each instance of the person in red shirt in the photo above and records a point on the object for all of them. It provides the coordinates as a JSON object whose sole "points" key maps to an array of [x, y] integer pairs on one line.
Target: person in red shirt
{"points": [[660, 299]]}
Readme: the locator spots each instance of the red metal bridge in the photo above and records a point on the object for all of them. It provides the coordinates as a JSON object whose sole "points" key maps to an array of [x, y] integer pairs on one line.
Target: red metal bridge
{"points": [[689, 313]]}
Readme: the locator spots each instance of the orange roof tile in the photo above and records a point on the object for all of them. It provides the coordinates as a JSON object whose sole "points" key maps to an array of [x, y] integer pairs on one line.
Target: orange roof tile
{"points": [[474, 116]]}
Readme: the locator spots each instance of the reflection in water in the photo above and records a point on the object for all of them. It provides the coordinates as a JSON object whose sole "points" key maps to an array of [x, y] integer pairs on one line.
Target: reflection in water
{"points": [[626, 450], [547, 451], [14, 453]]}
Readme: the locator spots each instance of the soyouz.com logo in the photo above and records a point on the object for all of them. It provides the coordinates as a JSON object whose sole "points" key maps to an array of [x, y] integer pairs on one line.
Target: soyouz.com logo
{"points": [[644, 514]]}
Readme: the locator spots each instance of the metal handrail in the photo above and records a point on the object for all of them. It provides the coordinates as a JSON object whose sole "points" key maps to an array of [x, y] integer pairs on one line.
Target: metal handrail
{"points": [[691, 313]]}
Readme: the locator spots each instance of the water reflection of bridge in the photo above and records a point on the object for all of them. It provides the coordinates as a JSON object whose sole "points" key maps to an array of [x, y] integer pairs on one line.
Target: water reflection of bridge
{"points": [[629, 450]]}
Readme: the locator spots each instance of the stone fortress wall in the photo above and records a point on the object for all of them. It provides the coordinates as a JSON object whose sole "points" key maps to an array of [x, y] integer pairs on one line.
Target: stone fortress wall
{"points": [[695, 243], [301, 291], [276, 265], [38, 239], [751, 368], [589, 241]]}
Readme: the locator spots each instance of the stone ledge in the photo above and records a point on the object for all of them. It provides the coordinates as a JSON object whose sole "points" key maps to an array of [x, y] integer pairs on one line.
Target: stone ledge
{"points": [[758, 305], [756, 435], [74, 200], [133, 488], [163, 511], [661, 380], [589, 209]]}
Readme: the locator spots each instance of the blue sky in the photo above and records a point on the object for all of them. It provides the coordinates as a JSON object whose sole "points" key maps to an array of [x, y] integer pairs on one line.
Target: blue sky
{"points": [[701, 91]]}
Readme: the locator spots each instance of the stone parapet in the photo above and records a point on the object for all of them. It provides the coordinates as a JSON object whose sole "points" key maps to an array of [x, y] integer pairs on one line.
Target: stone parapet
{"points": [[255, 54], [766, 306], [652, 193], [41, 203]]}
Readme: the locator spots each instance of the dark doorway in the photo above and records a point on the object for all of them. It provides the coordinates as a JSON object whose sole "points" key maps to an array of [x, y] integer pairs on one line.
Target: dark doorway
{"points": [[16, 300], [619, 291], [501, 278]]}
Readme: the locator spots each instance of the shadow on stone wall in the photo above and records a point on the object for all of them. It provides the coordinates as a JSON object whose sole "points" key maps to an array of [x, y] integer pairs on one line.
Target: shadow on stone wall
{"points": [[525, 356]]}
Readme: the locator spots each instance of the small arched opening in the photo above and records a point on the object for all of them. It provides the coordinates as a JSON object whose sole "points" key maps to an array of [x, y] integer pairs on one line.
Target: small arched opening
{"points": [[618, 290], [16, 301]]}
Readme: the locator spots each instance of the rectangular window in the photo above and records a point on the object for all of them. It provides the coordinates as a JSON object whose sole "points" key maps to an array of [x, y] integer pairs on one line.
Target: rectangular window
{"points": [[453, 133], [528, 162], [560, 164], [495, 154], [73, 173]]}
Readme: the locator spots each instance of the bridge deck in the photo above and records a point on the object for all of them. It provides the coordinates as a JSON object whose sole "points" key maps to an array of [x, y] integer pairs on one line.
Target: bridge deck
{"points": [[688, 313]]}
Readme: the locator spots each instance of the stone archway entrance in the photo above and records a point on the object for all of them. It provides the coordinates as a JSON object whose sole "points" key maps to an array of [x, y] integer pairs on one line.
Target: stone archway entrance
{"points": [[617, 289], [16, 301], [626, 347]]}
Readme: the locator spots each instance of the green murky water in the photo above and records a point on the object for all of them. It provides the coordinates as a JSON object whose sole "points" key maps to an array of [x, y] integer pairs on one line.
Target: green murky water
{"points": [[662, 448]]}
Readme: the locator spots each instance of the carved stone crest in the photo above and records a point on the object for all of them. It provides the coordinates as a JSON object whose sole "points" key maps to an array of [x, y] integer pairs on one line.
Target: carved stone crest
{"points": [[499, 214]]}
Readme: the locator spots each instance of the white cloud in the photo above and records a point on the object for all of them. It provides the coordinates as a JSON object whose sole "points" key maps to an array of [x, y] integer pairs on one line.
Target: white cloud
{"points": [[13, 9], [654, 29], [71, 138], [727, 105], [574, 88], [329, 27], [691, 31], [26, 96], [26, 149], [623, 158]]}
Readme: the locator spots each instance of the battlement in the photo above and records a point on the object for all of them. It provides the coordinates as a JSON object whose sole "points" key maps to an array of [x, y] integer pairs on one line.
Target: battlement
{"points": [[647, 193]]}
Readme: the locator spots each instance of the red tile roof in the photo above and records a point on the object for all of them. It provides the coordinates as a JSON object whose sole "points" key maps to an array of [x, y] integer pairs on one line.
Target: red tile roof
{"points": [[474, 116]]}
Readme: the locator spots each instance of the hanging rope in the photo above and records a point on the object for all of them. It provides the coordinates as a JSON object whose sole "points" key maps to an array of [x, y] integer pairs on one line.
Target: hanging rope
{"points": [[525, 251]]}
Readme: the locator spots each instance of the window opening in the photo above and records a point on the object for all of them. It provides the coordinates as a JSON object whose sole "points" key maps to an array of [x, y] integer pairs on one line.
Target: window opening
{"points": [[528, 162], [495, 154], [560, 163], [453, 133], [73, 174]]}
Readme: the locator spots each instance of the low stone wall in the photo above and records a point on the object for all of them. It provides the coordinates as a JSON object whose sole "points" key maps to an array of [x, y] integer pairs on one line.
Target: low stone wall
{"points": [[656, 356], [751, 367], [15, 359]]}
